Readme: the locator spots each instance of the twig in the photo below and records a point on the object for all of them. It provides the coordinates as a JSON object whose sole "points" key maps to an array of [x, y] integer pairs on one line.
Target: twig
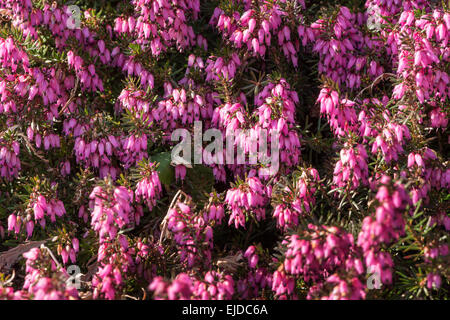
{"points": [[72, 96], [374, 83], [33, 150], [6, 14], [9, 258], [52, 256], [164, 222], [10, 279]]}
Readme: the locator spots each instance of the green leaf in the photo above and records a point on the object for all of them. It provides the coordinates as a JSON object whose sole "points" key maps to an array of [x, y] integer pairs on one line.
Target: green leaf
{"points": [[165, 171], [135, 48]]}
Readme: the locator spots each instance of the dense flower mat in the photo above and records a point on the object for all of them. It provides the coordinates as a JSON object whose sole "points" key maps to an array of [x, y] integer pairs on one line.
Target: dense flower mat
{"points": [[92, 205]]}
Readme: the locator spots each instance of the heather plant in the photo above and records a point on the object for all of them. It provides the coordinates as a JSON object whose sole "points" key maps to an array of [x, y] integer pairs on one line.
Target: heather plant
{"points": [[93, 205]]}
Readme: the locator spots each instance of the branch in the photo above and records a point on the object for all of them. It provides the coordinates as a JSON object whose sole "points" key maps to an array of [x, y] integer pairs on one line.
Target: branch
{"points": [[375, 82], [33, 150], [164, 222], [72, 96]]}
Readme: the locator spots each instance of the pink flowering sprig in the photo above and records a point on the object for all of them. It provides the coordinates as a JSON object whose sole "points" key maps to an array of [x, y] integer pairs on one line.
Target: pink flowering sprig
{"points": [[134, 149], [296, 199], [86, 74], [181, 288], [112, 209], [184, 105], [9, 158], [191, 233], [45, 278], [325, 250], [347, 53], [276, 108], [384, 227], [283, 284], [247, 199], [351, 170], [157, 27], [341, 113], [229, 116], [271, 125], [212, 286], [255, 278], [214, 210], [148, 189], [41, 86], [68, 246], [428, 173], [148, 258], [178, 107], [222, 67], [95, 147], [112, 212], [260, 26], [421, 63], [314, 256], [13, 59], [390, 137], [115, 263], [337, 287], [140, 133], [32, 97], [421, 53], [42, 206]]}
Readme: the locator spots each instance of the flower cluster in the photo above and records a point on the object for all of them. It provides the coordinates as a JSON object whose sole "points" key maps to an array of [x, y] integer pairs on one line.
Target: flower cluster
{"points": [[347, 55], [341, 114], [320, 255], [386, 226], [9, 159], [297, 200], [39, 207], [215, 286], [97, 153], [193, 236], [149, 187], [259, 24], [160, 25], [45, 280], [115, 261], [111, 210], [247, 199], [351, 169]]}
